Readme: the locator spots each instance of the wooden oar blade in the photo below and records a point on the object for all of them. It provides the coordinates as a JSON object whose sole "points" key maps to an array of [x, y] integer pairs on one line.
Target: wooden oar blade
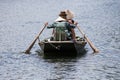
{"points": [[30, 47], [92, 46]]}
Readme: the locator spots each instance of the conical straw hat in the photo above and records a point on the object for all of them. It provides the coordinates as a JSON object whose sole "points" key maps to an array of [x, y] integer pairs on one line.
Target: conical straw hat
{"points": [[70, 14]]}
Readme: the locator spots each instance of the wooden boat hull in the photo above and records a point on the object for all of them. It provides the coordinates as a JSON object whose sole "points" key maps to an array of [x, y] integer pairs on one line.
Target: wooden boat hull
{"points": [[62, 48]]}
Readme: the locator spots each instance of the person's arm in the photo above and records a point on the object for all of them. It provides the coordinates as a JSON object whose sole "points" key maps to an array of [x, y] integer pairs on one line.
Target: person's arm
{"points": [[51, 26], [73, 33]]}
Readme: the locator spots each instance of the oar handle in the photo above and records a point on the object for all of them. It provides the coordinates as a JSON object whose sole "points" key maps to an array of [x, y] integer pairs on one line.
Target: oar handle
{"points": [[88, 40]]}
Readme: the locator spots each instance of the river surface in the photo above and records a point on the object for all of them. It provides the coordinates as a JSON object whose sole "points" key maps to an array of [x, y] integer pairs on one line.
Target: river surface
{"points": [[21, 21]]}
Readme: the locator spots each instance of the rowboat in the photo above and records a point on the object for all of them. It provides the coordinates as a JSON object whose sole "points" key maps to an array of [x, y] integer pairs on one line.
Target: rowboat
{"points": [[52, 47], [58, 44], [49, 46]]}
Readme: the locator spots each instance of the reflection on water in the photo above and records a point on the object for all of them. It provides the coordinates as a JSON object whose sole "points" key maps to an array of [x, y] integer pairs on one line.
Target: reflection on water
{"points": [[63, 67], [21, 21]]}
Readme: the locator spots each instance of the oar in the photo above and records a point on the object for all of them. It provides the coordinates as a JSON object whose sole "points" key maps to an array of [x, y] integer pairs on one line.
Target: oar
{"points": [[30, 47], [88, 40]]}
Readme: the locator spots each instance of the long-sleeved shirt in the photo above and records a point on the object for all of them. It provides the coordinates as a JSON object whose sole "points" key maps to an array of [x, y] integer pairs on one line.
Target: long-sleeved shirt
{"points": [[62, 24]]}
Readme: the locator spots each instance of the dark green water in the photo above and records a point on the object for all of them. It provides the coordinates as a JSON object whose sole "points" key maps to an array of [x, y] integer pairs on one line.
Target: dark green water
{"points": [[21, 21]]}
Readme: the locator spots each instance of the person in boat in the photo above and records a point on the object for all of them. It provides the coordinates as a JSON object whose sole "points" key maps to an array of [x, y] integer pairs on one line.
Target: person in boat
{"points": [[62, 28], [70, 16], [72, 22]]}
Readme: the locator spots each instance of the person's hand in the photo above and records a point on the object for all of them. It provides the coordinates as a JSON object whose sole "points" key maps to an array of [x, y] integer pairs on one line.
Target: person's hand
{"points": [[75, 23], [46, 23]]}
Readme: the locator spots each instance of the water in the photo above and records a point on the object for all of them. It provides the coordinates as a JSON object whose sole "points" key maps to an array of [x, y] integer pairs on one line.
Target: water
{"points": [[21, 21]]}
